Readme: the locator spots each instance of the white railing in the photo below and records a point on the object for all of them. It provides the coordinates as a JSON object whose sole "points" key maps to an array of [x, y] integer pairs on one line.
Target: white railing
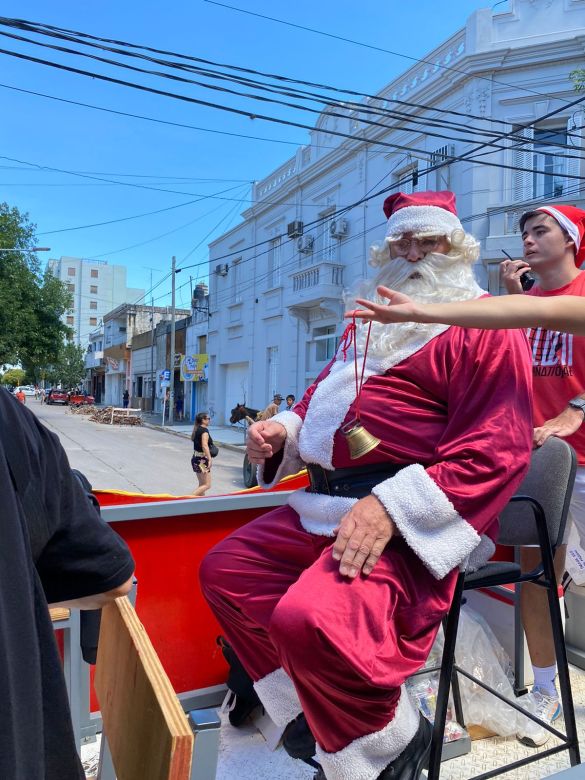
{"points": [[278, 177], [325, 273]]}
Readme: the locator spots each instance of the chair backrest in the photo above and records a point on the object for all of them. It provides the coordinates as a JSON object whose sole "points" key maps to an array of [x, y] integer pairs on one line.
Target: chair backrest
{"points": [[148, 733], [550, 482]]}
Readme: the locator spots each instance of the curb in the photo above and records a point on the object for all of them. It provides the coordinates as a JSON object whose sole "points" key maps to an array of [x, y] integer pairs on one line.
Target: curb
{"points": [[227, 446]]}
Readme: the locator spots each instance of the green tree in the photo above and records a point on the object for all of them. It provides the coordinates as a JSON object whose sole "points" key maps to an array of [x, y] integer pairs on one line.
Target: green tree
{"points": [[69, 369], [14, 376], [577, 76], [31, 302]]}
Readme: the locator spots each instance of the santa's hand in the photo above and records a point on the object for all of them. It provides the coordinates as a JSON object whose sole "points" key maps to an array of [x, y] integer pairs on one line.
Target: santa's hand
{"points": [[362, 536], [264, 440], [400, 308]]}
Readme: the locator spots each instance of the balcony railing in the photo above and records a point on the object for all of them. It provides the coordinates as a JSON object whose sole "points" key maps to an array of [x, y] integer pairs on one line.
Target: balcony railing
{"points": [[325, 273]]}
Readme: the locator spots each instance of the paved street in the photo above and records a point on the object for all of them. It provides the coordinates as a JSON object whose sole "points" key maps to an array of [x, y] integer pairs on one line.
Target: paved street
{"points": [[137, 459]]}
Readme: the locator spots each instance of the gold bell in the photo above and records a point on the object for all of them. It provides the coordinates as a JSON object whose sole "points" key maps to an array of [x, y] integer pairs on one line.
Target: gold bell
{"points": [[359, 441]]}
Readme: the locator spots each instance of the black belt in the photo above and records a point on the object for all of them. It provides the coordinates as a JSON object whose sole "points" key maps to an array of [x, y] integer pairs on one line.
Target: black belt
{"points": [[355, 482]]}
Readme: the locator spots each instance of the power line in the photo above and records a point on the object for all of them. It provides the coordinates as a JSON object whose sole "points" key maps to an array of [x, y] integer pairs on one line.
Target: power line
{"points": [[376, 48], [64, 33], [306, 96], [276, 120]]}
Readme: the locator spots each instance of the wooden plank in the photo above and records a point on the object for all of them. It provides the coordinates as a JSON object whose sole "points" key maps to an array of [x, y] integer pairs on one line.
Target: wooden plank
{"points": [[148, 732], [59, 613]]}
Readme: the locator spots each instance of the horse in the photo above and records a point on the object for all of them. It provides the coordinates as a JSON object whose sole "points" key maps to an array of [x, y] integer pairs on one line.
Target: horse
{"points": [[242, 412]]}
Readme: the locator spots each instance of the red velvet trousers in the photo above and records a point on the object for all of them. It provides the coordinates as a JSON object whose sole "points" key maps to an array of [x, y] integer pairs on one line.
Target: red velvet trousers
{"points": [[348, 645]]}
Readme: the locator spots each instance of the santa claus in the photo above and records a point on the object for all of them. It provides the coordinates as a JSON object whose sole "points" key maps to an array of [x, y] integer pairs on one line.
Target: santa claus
{"points": [[333, 601]]}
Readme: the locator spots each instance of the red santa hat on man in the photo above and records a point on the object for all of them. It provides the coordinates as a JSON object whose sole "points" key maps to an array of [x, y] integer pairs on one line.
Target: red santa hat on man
{"points": [[421, 213], [571, 219]]}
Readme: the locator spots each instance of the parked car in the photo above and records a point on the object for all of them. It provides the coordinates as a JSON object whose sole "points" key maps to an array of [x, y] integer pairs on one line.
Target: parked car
{"points": [[56, 396], [28, 390], [80, 399]]}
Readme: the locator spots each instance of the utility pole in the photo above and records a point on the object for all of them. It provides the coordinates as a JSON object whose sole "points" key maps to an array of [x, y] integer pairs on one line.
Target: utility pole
{"points": [[172, 366], [152, 382]]}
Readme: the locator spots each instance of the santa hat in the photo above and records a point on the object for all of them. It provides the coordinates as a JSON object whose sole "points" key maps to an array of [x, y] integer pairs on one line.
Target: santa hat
{"points": [[421, 213], [572, 220]]}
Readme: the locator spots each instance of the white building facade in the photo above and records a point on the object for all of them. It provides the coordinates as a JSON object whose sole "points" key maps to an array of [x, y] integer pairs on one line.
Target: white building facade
{"points": [[97, 288], [277, 279]]}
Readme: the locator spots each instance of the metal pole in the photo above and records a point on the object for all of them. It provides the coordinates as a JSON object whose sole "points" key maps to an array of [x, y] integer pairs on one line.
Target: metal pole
{"points": [[172, 366], [152, 382]]}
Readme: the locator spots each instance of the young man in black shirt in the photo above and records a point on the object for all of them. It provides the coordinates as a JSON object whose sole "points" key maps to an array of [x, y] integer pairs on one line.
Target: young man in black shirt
{"points": [[55, 550]]}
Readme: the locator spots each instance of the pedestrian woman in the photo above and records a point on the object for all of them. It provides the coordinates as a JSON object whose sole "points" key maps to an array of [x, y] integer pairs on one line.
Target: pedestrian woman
{"points": [[201, 460]]}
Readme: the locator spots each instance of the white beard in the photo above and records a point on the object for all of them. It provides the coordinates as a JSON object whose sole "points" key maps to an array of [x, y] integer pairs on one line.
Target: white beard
{"points": [[435, 279]]}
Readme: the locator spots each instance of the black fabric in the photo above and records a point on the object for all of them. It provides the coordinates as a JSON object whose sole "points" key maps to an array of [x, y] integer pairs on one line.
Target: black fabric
{"points": [[55, 547], [197, 446], [355, 482], [213, 450]]}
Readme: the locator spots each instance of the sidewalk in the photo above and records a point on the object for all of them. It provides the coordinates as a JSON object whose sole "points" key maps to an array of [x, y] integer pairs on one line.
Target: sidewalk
{"points": [[230, 436]]}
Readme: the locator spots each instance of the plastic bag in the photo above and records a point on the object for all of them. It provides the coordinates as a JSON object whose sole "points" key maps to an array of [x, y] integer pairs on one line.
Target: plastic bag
{"points": [[479, 653]]}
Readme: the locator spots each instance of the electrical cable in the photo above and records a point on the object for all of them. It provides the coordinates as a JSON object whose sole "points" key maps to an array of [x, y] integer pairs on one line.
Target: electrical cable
{"points": [[261, 98]]}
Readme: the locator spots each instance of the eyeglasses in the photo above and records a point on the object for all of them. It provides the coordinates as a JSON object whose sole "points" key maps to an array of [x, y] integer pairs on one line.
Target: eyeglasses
{"points": [[425, 245]]}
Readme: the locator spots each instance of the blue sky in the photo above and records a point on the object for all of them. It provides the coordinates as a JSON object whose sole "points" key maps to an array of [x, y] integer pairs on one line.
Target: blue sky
{"points": [[192, 163]]}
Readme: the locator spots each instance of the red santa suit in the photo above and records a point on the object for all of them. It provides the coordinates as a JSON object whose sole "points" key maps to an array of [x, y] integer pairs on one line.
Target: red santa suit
{"points": [[454, 407]]}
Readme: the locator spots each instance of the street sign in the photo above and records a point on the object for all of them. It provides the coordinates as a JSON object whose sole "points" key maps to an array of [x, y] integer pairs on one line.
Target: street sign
{"points": [[165, 375]]}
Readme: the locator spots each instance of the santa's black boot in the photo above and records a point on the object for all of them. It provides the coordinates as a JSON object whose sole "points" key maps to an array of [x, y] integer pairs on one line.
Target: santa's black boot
{"points": [[414, 758], [299, 742]]}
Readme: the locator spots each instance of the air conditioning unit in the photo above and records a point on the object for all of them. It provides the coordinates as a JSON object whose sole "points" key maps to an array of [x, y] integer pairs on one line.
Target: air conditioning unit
{"points": [[222, 269], [305, 244], [294, 229], [338, 228]]}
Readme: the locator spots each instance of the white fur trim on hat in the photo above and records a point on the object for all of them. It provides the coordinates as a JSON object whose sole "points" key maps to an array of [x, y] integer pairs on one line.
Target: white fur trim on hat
{"points": [[428, 521], [291, 462], [564, 222], [431, 220], [366, 757], [279, 697]]}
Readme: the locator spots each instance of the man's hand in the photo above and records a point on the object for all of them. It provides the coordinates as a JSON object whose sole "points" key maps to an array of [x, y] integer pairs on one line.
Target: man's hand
{"points": [[265, 438], [400, 308], [568, 421], [511, 271], [362, 536]]}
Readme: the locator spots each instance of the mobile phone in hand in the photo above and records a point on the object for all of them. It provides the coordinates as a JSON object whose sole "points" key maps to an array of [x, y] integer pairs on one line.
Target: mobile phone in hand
{"points": [[527, 280]]}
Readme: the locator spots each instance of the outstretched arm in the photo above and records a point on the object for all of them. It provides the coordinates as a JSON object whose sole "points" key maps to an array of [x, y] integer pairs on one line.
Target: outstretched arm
{"points": [[565, 313]]}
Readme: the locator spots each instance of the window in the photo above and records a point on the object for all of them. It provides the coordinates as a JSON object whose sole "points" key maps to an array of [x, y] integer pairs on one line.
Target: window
{"points": [[547, 161], [440, 179], [70, 287], [235, 280], [202, 345], [407, 180], [273, 363], [71, 272], [93, 320], [70, 320], [274, 263], [94, 273], [93, 289], [139, 387], [325, 343], [122, 329], [93, 304]]}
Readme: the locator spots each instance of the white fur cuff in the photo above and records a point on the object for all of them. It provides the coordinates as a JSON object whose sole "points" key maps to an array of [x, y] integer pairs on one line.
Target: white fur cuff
{"points": [[279, 697], [427, 520], [291, 461], [366, 757], [318, 513]]}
